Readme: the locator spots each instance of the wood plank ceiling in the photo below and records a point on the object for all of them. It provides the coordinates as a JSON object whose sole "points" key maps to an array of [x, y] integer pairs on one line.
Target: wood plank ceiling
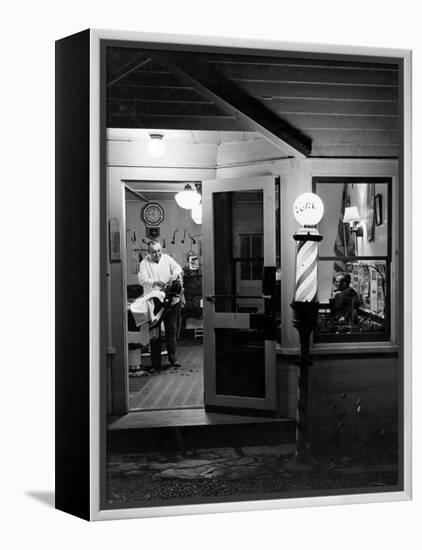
{"points": [[321, 107]]}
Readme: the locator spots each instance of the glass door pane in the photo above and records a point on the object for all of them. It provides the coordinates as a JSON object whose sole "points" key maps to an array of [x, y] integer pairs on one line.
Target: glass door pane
{"points": [[238, 251], [238, 260]]}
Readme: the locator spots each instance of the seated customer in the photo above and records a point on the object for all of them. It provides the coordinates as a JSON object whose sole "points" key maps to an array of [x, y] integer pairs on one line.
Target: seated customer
{"points": [[345, 302]]}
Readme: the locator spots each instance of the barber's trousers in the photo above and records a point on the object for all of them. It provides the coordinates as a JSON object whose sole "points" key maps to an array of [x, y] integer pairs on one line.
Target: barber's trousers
{"points": [[171, 322]]}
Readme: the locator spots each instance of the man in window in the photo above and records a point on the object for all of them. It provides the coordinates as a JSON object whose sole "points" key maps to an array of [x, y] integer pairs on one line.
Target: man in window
{"points": [[160, 271], [345, 302]]}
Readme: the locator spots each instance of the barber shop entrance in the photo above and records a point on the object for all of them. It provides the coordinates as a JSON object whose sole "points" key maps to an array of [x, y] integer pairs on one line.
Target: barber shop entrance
{"points": [[226, 330]]}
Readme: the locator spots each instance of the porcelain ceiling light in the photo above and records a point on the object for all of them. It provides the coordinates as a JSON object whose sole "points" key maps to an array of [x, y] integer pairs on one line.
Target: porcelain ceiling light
{"points": [[156, 145], [188, 198]]}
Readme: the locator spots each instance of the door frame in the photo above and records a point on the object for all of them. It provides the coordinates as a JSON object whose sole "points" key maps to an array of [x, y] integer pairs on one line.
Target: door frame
{"points": [[235, 320]]}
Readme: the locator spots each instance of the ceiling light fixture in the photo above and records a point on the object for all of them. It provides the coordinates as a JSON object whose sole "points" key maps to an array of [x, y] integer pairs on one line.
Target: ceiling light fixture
{"points": [[188, 198], [156, 146]]}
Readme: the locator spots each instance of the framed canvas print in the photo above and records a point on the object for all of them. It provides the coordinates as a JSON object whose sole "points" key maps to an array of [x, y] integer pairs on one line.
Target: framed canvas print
{"points": [[233, 260]]}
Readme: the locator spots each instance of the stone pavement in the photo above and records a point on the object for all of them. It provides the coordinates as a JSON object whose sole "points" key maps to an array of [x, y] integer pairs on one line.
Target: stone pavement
{"points": [[224, 462], [227, 472]]}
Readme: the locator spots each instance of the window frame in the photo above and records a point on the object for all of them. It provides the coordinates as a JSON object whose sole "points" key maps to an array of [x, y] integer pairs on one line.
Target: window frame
{"points": [[321, 338], [251, 259]]}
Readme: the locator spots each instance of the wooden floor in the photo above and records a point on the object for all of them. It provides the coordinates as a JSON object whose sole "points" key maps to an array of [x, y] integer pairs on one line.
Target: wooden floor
{"points": [[172, 388]]}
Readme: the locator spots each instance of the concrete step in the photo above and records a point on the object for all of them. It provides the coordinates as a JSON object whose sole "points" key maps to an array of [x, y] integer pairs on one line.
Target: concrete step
{"points": [[176, 430]]}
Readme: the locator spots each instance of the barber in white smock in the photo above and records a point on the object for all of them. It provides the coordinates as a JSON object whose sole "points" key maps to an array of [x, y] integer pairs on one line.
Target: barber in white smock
{"points": [[155, 272]]}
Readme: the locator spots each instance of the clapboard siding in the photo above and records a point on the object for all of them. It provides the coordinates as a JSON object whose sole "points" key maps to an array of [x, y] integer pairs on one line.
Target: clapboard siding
{"points": [[333, 121], [154, 93], [331, 107], [354, 394], [141, 108], [355, 151], [309, 74], [358, 404], [176, 122], [320, 91], [354, 137]]}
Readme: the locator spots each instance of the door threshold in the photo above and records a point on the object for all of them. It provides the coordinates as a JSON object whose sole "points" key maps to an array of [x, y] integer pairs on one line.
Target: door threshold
{"points": [[187, 407], [172, 418]]}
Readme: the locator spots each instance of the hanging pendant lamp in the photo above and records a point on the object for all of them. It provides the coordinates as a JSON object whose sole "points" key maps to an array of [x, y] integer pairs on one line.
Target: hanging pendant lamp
{"points": [[188, 198]]}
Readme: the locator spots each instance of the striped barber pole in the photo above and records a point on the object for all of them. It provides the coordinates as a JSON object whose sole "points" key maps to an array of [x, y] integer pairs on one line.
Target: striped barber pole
{"points": [[306, 270]]}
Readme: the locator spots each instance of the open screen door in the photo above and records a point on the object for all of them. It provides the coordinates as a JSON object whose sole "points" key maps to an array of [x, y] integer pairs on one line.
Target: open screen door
{"points": [[239, 259]]}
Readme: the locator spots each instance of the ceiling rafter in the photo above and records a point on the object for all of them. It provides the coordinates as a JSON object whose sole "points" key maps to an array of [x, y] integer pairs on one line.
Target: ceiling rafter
{"points": [[125, 70], [236, 102]]}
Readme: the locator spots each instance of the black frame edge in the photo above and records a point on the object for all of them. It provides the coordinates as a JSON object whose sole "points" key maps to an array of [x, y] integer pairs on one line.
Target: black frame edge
{"points": [[72, 419]]}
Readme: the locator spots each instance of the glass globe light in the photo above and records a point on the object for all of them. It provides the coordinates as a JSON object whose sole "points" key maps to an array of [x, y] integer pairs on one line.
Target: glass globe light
{"points": [[308, 209], [188, 198], [156, 146]]}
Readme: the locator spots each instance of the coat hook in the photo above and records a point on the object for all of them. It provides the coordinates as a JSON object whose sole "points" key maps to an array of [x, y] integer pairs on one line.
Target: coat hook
{"points": [[184, 236], [173, 241]]}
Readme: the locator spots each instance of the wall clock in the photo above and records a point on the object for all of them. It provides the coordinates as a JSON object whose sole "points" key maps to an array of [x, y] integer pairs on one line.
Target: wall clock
{"points": [[152, 214]]}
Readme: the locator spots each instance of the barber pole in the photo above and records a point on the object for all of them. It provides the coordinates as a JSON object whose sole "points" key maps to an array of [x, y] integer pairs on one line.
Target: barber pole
{"points": [[308, 210], [306, 268]]}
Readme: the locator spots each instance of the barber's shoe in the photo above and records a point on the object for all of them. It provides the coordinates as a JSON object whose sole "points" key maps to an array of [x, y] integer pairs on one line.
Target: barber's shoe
{"points": [[175, 364]]}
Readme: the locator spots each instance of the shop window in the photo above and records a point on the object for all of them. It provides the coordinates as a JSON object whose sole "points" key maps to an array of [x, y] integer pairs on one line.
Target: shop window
{"points": [[354, 259]]}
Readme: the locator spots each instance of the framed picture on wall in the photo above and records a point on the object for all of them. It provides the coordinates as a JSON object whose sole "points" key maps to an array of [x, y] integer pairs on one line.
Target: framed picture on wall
{"points": [[370, 213], [184, 363], [378, 209]]}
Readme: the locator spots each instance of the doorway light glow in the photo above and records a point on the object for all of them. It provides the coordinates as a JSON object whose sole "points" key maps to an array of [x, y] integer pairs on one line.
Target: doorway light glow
{"points": [[197, 213]]}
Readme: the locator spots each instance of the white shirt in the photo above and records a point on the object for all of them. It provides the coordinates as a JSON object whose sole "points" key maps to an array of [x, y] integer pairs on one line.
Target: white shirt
{"points": [[162, 271]]}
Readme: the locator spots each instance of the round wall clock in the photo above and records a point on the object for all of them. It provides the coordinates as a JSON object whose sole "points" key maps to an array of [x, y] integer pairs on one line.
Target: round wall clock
{"points": [[152, 214]]}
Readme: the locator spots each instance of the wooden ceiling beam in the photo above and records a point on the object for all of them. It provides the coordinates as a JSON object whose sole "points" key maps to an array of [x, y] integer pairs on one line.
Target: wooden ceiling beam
{"points": [[128, 68], [236, 102]]}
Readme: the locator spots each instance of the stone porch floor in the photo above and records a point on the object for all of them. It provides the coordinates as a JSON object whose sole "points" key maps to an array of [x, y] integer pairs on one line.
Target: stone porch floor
{"points": [[202, 474]]}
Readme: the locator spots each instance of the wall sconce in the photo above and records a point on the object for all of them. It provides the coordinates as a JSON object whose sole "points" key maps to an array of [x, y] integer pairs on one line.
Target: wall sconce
{"points": [[156, 145], [188, 198], [352, 217], [197, 213]]}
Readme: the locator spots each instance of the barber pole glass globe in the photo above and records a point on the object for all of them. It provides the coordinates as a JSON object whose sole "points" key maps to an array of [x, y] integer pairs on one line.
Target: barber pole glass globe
{"points": [[308, 209]]}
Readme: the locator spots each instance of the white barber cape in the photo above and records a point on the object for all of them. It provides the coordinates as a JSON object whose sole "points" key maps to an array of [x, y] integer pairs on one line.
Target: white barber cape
{"points": [[143, 312]]}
